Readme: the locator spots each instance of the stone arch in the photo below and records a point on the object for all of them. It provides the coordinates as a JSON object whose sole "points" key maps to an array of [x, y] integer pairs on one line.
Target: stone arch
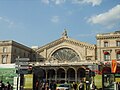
{"points": [[40, 74], [71, 74], [51, 74], [80, 73], [60, 73], [64, 46]]}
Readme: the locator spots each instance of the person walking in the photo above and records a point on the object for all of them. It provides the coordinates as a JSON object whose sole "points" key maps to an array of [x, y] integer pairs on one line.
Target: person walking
{"points": [[74, 86], [2, 86], [81, 86], [8, 86], [92, 86]]}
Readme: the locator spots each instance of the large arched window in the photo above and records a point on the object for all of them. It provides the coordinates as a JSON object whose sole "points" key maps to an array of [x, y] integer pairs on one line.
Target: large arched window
{"points": [[65, 54]]}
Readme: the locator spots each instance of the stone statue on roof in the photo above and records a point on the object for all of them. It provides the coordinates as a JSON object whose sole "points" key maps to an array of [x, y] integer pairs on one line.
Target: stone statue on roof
{"points": [[64, 34]]}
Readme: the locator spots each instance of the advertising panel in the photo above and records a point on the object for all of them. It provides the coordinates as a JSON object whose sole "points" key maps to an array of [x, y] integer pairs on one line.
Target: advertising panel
{"points": [[28, 81]]}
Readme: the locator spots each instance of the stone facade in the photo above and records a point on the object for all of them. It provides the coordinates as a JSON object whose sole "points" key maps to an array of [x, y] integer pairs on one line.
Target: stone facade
{"points": [[10, 50], [108, 46], [84, 50]]}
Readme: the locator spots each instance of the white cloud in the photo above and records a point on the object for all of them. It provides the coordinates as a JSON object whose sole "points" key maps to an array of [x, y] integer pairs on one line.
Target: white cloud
{"points": [[7, 21], [93, 2], [45, 1], [110, 18], [56, 2], [55, 19]]}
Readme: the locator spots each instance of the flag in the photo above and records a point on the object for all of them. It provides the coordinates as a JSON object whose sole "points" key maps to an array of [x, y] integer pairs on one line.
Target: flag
{"points": [[114, 66]]}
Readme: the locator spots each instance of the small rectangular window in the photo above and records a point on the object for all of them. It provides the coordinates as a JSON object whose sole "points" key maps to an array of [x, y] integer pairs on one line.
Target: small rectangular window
{"points": [[107, 57], [4, 49], [4, 59], [118, 43], [118, 57], [105, 44]]}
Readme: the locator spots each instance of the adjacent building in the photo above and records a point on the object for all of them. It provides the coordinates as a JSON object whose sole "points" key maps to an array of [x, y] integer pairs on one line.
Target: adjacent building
{"points": [[10, 50]]}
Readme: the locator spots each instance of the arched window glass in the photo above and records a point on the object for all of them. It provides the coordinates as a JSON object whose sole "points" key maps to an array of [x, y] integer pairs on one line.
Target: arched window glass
{"points": [[65, 54]]}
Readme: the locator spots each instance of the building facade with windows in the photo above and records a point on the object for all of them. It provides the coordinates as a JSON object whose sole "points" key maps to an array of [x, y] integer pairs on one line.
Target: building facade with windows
{"points": [[108, 46], [10, 50]]}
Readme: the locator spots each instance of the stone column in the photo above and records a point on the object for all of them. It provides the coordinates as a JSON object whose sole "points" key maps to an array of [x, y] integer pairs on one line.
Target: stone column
{"points": [[75, 76], [46, 74], [55, 75], [65, 75]]}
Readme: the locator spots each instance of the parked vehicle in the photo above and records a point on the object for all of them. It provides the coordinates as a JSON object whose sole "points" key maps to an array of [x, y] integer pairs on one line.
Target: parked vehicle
{"points": [[64, 87]]}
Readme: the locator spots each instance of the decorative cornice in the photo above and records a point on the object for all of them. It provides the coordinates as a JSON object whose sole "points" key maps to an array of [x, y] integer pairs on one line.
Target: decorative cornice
{"points": [[15, 44], [108, 36], [68, 40]]}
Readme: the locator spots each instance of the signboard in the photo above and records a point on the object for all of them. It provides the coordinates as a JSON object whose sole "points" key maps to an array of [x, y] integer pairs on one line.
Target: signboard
{"points": [[114, 66], [22, 59], [7, 74], [98, 81], [22, 63], [28, 81]]}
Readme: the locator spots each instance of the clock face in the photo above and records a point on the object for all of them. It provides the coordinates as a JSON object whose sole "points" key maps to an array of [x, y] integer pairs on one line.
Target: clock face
{"points": [[65, 54]]}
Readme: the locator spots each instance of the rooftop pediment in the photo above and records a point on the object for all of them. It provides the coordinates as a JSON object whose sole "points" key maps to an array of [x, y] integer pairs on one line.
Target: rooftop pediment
{"points": [[67, 40]]}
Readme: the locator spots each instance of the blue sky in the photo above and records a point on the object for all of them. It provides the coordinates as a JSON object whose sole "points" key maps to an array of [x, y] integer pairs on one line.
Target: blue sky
{"points": [[38, 22]]}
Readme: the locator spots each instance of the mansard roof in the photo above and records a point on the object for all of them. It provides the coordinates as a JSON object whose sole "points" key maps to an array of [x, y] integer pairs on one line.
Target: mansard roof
{"points": [[68, 40]]}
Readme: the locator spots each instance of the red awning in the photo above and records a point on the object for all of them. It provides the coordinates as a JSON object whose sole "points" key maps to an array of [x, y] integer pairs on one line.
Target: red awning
{"points": [[106, 53]]}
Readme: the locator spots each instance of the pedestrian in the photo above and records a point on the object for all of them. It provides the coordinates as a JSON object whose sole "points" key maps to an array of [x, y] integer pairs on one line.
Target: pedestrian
{"points": [[36, 85], [92, 86], [81, 86], [2, 86], [119, 86], [43, 86], [54, 86], [46, 86], [8, 86], [74, 86]]}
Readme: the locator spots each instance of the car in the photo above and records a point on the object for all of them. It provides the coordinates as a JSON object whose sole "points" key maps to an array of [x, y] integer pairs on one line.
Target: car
{"points": [[64, 87]]}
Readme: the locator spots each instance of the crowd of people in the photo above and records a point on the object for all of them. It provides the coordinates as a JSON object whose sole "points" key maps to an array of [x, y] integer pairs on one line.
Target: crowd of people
{"points": [[46, 86], [5, 86], [53, 85]]}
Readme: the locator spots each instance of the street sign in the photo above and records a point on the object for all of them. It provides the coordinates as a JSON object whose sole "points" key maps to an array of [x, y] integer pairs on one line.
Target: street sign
{"points": [[21, 71], [22, 63], [22, 59]]}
